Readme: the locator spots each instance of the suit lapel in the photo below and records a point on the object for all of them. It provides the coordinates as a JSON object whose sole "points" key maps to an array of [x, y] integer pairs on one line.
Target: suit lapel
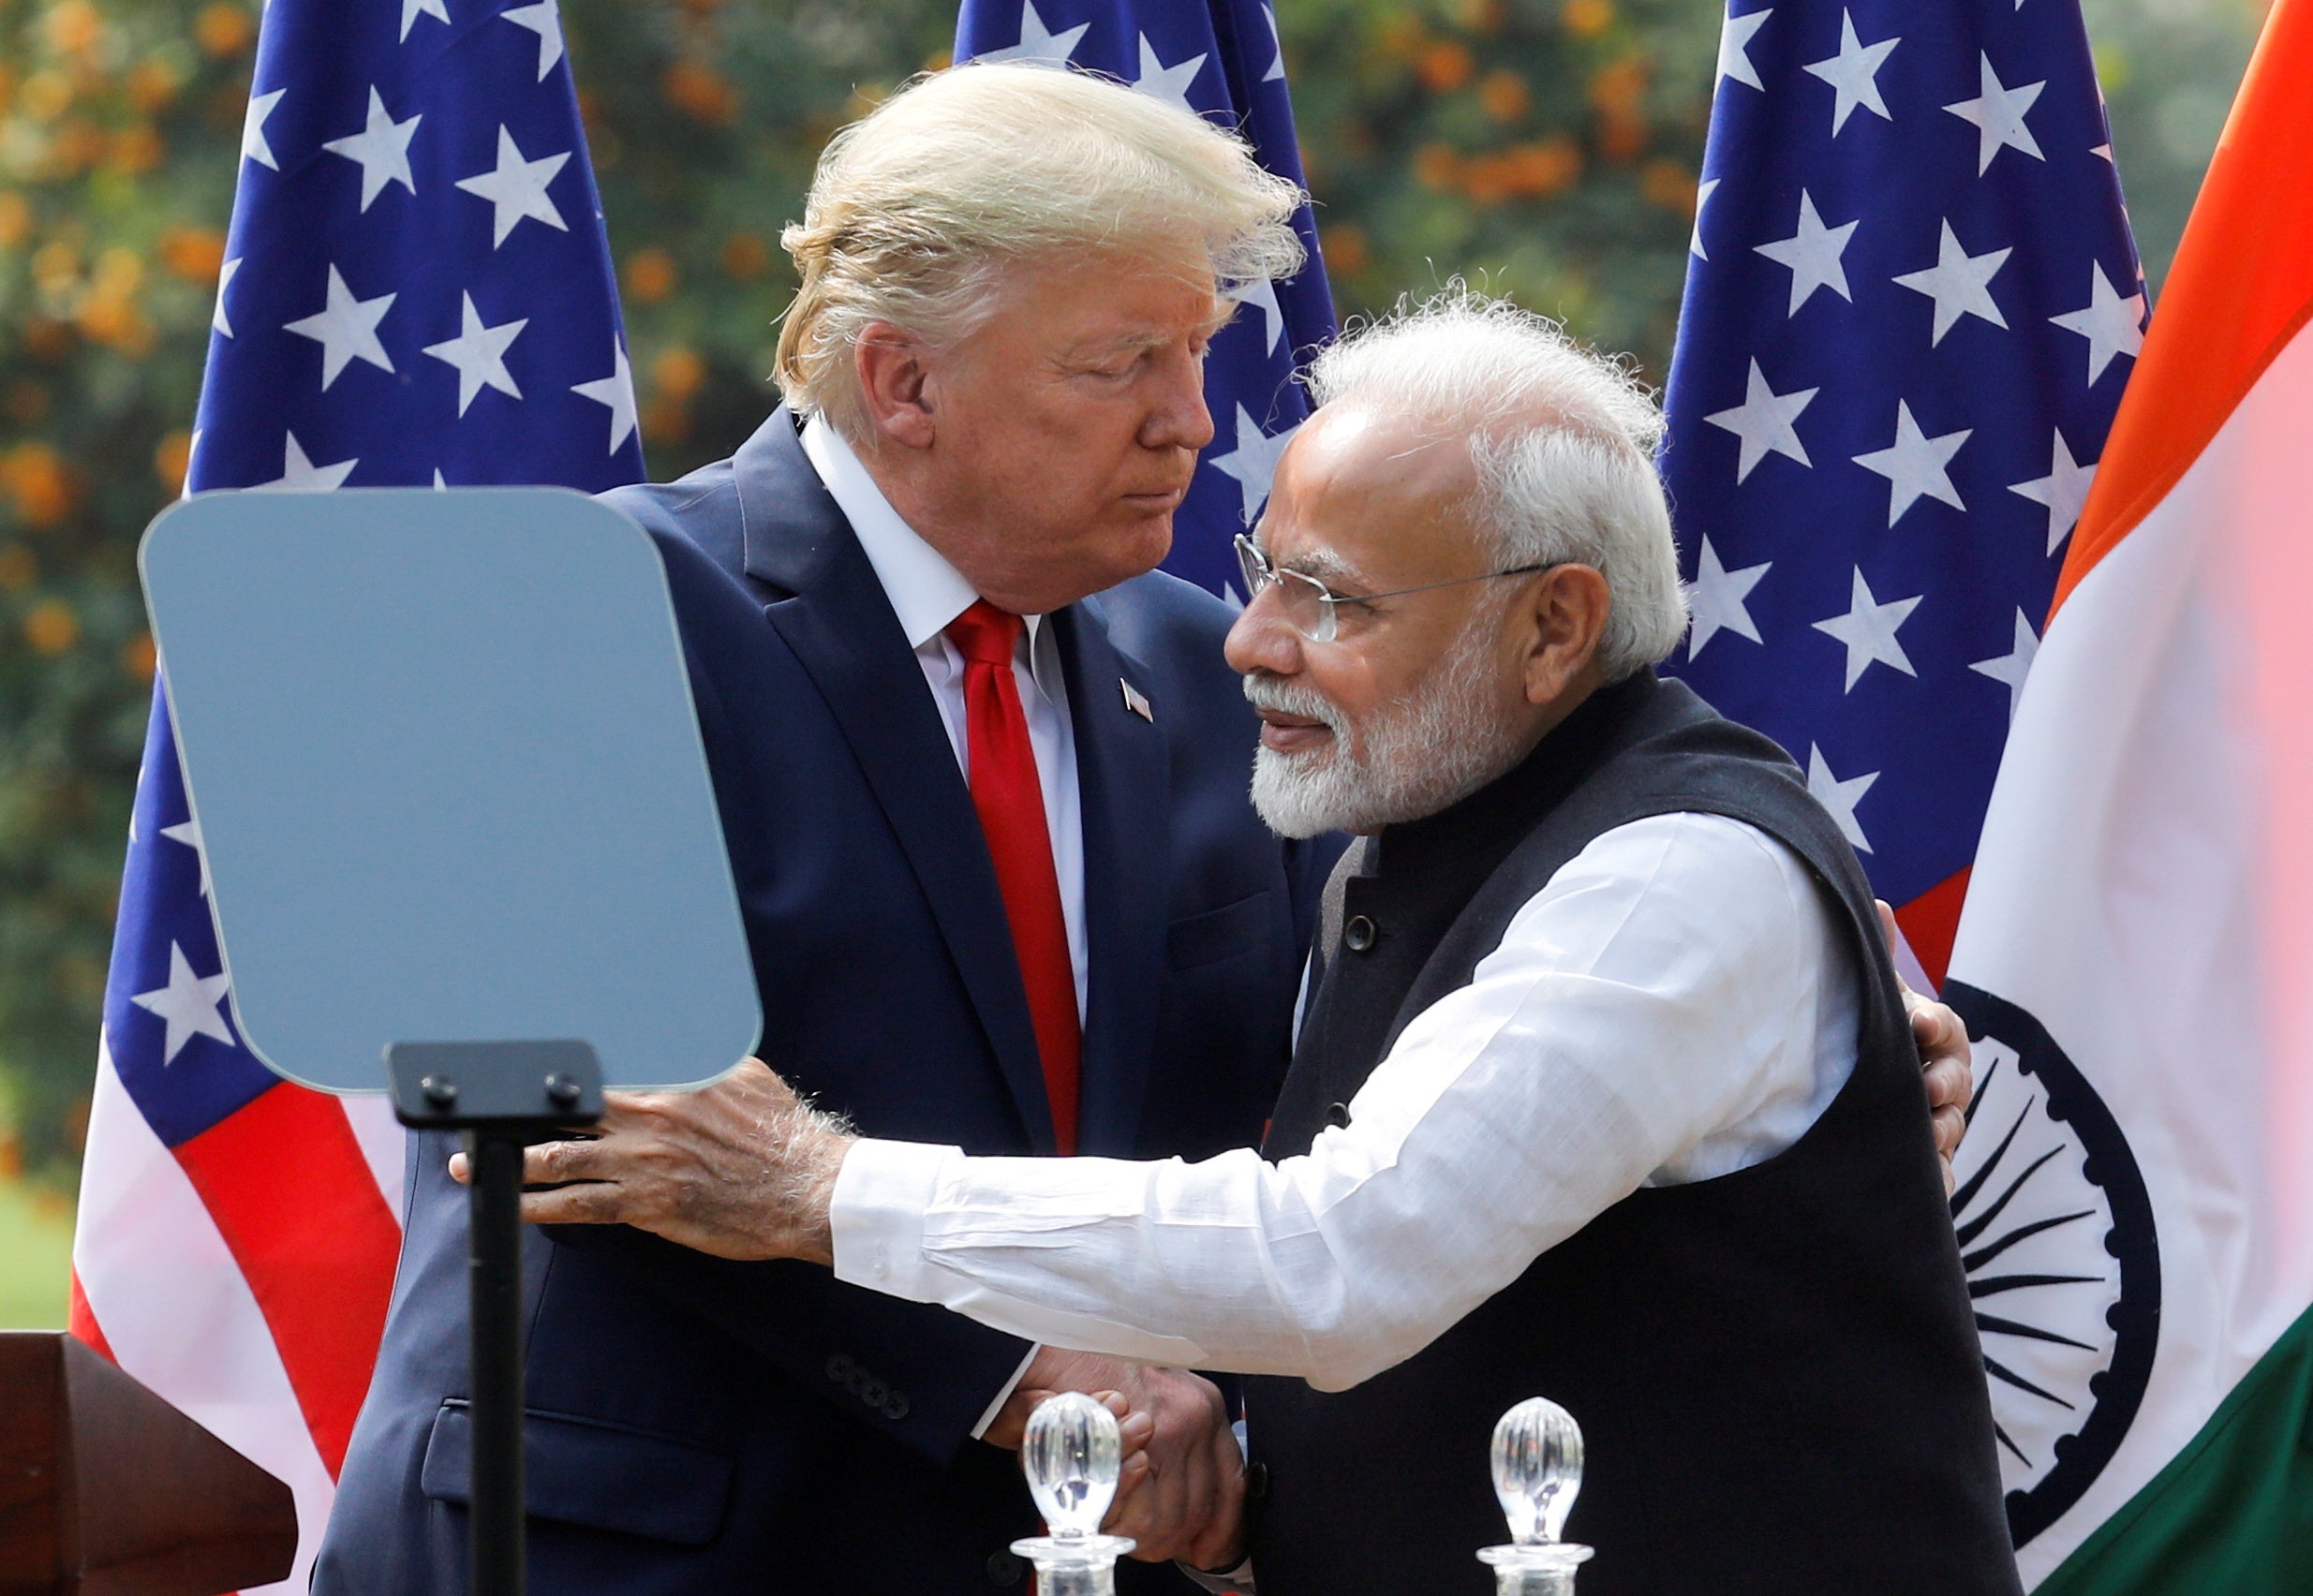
{"points": [[1121, 774], [828, 603]]}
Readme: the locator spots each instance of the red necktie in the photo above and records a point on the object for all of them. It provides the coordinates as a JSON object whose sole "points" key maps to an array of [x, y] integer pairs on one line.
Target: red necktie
{"points": [[1005, 790]]}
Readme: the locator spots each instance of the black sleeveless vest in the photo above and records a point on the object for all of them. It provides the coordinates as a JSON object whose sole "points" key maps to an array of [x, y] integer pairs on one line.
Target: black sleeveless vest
{"points": [[1776, 1371]]}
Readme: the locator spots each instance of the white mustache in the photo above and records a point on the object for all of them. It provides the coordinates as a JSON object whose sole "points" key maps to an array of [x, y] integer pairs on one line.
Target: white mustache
{"points": [[1265, 691]]}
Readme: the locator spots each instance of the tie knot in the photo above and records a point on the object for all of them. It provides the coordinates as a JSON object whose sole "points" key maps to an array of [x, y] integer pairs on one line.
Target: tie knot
{"points": [[986, 635]]}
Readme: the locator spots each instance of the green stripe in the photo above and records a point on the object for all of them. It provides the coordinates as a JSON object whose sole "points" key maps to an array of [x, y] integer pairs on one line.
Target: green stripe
{"points": [[2232, 1513]]}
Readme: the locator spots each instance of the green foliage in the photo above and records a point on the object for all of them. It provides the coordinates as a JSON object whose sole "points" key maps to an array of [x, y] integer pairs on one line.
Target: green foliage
{"points": [[1543, 148]]}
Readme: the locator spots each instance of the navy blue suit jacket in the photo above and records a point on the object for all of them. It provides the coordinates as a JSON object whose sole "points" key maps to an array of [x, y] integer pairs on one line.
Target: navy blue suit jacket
{"points": [[703, 1427]]}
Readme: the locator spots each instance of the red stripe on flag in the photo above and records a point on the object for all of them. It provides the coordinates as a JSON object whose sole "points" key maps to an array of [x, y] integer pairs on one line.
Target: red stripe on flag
{"points": [[1930, 922], [81, 1322], [286, 1182]]}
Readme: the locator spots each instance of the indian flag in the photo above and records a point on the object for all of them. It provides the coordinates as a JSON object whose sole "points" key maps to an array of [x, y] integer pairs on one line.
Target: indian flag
{"points": [[2136, 952]]}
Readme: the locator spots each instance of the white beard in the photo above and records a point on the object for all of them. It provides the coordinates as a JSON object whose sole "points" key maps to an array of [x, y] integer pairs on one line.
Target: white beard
{"points": [[1439, 744]]}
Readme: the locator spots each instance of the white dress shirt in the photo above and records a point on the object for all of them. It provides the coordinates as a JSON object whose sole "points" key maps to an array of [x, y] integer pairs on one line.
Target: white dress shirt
{"points": [[927, 593], [1674, 1005]]}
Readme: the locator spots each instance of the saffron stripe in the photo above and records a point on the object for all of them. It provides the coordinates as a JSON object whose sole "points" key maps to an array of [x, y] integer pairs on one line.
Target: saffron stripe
{"points": [[291, 1192]]}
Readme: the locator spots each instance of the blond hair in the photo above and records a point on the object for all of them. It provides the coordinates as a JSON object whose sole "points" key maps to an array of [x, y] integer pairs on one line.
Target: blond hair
{"points": [[917, 209]]}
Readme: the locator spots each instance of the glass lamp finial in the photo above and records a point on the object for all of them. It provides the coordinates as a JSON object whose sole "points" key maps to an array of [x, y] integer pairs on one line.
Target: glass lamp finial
{"points": [[1538, 1463], [1072, 1456]]}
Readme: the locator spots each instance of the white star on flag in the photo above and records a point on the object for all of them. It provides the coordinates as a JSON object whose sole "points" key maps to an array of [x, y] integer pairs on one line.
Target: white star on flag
{"points": [[1998, 114], [413, 9], [2013, 666], [1959, 283], [1914, 467], [188, 832], [1868, 629], [346, 328], [1261, 293], [1275, 74], [1253, 460], [253, 144], [1715, 599], [2063, 491], [1166, 83], [225, 275], [615, 391], [1702, 197], [1039, 45], [189, 1006], [517, 188], [1735, 48], [2112, 325], [381, 148], [1854, 74], [1813, 254], [546, 20], [478, 353], [300, 475], [1839, 797], [1763, 421]]}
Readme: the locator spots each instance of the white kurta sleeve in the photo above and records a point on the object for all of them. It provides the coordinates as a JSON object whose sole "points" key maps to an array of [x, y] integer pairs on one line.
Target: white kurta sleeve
{"points": [[1666, 986]]}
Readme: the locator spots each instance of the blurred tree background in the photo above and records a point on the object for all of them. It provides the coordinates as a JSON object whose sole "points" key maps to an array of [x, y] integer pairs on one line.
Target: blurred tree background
{"points": [[1545, 148]]}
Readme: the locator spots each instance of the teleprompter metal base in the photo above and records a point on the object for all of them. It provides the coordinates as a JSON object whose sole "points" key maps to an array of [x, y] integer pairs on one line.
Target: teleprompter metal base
{"points": [[502, 1096]]}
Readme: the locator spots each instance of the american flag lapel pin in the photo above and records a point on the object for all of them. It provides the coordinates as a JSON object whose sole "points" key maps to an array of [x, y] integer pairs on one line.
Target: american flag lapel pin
{"points": [[1135, 703]]}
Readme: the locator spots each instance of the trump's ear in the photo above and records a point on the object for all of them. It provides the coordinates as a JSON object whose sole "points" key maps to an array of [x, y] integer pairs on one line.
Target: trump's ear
{"points": [[1568, 605], [894, 385]]}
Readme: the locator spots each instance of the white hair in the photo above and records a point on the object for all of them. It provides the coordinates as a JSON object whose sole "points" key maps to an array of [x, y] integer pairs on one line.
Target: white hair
{"points": [[1562, 440], [916, 209]]}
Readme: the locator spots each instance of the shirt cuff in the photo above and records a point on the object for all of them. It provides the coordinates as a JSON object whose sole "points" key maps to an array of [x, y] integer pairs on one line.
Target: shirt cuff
{"points": [[1237, 1582], [876, 1216], [979, 1431]]}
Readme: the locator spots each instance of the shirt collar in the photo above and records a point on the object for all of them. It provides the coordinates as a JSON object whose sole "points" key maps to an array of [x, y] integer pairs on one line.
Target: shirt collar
{"points": [[927, 593]]}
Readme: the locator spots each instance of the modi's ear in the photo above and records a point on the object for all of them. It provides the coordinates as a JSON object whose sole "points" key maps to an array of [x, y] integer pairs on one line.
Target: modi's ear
{"points": [[1569, 604], [895, 384]]}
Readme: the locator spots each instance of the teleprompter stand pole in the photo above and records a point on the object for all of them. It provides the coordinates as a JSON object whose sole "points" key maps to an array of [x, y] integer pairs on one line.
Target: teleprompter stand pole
{"points": [[502, 1096]]}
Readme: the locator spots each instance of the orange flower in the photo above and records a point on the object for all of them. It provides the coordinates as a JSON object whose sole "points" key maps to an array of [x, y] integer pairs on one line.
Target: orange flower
{"points": [[15, 220], [172, 460], [650, 275], [700, 92], [52, 627], [1502, 96], [1345, 248], [1444, 65], [195, 253], [223, 28], [138, 657], [677, 373], [1484, 16], [665, 422], [1667, 184], [1438, 165], [1588, 19], [135, 149], [1523, 171], [1619, 94], [746, 256], [74, 28], [153, 83], [39, 483]]}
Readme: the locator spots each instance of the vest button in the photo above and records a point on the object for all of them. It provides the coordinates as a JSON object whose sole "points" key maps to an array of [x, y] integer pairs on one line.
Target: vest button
{"points": [[1358, 935], [1337, 1117], [1006, 1569]]}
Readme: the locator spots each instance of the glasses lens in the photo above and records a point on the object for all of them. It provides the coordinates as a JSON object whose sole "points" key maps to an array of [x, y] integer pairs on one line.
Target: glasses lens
{"points": [[1305, 605]]}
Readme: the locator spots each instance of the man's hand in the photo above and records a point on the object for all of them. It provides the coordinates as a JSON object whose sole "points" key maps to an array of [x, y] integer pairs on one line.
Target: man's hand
{"points": [[1182, 1493], [744, 1169], [1941, 1036]]}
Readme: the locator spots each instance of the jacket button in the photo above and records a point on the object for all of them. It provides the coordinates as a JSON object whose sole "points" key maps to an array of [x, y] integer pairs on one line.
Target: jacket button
{"points": [[1256, 1482], [840, 1369], [1004, 1569], [896, 1409], [1338, 1116], [1358, 935]]}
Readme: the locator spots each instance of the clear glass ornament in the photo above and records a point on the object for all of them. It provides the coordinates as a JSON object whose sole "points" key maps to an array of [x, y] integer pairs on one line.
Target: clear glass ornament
{"points": [[1538, 1470], [1071, 1456]]}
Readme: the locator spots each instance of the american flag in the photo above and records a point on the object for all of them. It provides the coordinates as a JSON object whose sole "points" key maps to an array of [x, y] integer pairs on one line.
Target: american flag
{"points": [[1911, 306], [416, 290], [1220, 59]]}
